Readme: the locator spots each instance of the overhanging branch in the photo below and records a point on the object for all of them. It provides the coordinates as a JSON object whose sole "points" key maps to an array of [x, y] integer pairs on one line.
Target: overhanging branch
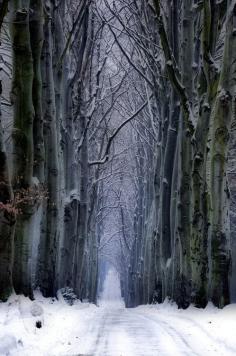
{"points": [[105, 157], [172, 70]]}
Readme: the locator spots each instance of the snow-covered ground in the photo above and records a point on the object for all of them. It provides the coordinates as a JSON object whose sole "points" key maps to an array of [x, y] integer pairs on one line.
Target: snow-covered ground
{"points": [[113, 330]]}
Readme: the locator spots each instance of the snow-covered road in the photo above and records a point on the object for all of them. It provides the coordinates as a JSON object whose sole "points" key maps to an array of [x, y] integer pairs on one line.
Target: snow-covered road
{"points": [[117, 331], [113, 330], [120, 331], [110, 329]]}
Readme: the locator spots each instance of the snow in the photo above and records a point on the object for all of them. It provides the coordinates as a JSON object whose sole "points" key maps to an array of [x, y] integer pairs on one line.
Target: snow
{"points": [[168, 263], [74, 194], [62, 326], [165, 181], [112, 330], [206, 106], [111, 293]]}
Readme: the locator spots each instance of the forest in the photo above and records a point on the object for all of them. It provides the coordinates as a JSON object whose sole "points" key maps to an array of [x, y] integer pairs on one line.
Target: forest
{"points": [[117, 147]]}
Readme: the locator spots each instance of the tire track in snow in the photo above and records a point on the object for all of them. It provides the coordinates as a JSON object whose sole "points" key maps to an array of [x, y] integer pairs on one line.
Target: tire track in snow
{"points": [[217, 347], [174, 334], [167, 342], [206, 332], [120, 332]]}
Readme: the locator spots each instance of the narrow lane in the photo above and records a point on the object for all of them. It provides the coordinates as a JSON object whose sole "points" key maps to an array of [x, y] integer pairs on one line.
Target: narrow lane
{"points": [[117, 331]]}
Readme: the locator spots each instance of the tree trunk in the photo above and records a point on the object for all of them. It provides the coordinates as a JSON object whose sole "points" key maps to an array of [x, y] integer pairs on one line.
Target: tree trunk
{"points": [[22, 136], [222, 115]]}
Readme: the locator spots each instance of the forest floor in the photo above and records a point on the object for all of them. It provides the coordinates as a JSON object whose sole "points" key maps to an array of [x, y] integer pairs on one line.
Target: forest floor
{"points": [[113, 330]]}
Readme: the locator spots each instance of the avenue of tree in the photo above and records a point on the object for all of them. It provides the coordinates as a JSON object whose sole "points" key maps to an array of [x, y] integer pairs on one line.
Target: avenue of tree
{"points": [[117, 146]]}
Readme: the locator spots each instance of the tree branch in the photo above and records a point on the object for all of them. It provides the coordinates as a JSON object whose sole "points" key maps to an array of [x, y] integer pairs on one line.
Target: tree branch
{"points": [[105, 157], [172, 70], [3, 11], [129, 59]]}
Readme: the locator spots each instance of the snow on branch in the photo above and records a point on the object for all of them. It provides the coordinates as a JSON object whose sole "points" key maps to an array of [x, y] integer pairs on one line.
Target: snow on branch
{"points": [[129, 59], [105, 157], [172, 70]]}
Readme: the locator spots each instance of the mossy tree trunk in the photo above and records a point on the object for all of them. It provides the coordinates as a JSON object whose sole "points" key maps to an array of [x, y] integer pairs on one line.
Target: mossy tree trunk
{"points": [[82, 215], [22, 137], [201, 208], [36, 39], [7, 222], [7, 211], [222, 115], [50, 224]]}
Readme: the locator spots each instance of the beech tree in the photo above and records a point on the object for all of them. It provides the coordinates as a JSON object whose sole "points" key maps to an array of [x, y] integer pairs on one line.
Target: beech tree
{"points": [[114, 145]]}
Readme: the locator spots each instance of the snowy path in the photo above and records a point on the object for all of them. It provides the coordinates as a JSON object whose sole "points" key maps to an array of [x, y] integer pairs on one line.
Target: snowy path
{"points": [[112, 330], [119, 331], [116, 331]]}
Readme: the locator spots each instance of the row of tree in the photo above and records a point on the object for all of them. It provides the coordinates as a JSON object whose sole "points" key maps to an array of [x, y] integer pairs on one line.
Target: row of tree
{"points": [[182, 56], [114, 143], [46, 223], [186, 53]]}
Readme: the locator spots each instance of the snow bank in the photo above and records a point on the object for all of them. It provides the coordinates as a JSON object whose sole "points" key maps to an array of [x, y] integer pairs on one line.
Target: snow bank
{"points": [[211, 326], [42, 327]]}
